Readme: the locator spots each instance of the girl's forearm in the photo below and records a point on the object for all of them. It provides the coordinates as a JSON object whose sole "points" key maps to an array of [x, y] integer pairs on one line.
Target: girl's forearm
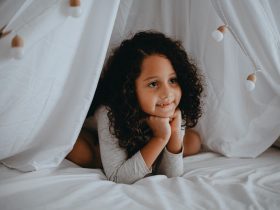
{"points": [[152, 149], [174, 145]]}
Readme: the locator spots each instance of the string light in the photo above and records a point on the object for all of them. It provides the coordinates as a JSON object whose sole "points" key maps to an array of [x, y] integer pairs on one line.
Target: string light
{"points": [[251, 81], [75, 8], [17, 50], [218, 34], [17, 43]]}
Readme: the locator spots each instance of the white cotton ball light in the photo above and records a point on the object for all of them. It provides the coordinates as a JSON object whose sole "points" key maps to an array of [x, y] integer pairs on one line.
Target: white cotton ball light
{"points": [[250, 86], [251, 82], [218, 34], [17, 50], [75, 9]]}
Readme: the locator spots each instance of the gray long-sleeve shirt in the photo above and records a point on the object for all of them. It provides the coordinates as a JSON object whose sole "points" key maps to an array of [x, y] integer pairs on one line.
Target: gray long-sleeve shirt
{"points": [[118, 167]]}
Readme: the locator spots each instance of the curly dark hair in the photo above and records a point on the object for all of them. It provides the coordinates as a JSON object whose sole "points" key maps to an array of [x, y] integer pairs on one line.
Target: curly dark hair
{"points": [[116, 88]]}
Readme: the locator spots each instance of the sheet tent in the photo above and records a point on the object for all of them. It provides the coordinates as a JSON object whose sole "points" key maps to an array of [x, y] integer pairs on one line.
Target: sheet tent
{"points": [[48, 84]]}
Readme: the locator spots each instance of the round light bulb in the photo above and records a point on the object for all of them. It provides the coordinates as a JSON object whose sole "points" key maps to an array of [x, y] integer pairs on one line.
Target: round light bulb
{"points": [[75, 9], [251, 82], [250, 85], [217, 35], [17, 50]]}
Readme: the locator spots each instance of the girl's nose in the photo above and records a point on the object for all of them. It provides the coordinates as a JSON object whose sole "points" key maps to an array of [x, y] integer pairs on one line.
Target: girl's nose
{"points": [[165, 92]]}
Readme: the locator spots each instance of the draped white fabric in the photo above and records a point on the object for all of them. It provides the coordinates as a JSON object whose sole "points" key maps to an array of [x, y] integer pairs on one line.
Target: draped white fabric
{"points": [[235, 122], [45, 96], [248, 123]]}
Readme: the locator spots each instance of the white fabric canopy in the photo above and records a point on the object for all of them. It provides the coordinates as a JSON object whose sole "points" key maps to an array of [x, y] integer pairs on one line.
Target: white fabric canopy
{"points": [[45, 96], [247, 123]]}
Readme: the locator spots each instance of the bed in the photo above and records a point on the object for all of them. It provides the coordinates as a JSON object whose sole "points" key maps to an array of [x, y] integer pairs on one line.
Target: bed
{"points": [[210, 181]]}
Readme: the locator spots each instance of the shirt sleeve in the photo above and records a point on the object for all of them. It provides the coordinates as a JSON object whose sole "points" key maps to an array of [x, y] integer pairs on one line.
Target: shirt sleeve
{"points": [[114, 158], [171, 164]]}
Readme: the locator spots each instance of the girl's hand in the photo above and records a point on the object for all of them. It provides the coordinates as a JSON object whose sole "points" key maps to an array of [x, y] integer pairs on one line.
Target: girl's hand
{"points": [[174, 145], [160, 127], [175, 123]]}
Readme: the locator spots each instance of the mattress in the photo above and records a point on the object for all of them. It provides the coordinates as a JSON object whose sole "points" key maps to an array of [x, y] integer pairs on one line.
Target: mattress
{"points": [[210, 181]]}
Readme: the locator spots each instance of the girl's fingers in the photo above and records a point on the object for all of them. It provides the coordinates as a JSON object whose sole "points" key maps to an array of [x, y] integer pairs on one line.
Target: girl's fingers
{"points": [[160, 126]]}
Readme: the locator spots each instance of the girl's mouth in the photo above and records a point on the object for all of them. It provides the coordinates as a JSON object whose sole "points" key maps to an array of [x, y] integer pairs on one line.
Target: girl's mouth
{"points": [[165, 105]]}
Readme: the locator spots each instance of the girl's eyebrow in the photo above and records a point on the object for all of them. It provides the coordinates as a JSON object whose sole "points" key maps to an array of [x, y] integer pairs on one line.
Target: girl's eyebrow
{"points": [[155, 77], [150, 78]]}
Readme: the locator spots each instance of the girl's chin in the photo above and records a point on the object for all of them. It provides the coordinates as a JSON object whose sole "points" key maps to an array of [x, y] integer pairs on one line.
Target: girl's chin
{"points": [[161, 113], [164, 115]]}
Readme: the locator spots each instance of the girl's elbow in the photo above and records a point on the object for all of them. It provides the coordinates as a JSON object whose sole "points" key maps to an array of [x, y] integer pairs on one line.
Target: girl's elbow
{"points": [[192, 142]]}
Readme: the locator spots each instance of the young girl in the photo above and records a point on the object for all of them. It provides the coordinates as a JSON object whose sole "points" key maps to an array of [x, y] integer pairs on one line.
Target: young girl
{"points": [[148, 94]]}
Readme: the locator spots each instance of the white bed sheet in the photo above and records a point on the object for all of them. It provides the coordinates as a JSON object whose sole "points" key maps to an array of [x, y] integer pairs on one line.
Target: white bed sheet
{"points": [[210, 181]]}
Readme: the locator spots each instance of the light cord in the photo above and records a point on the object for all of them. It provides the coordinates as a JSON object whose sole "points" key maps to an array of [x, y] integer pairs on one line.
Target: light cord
{"points": [[22, 8], [256, 67]]}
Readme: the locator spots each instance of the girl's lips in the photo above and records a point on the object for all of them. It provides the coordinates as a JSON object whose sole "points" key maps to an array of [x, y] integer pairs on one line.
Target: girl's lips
{"points": [[165, 105]]}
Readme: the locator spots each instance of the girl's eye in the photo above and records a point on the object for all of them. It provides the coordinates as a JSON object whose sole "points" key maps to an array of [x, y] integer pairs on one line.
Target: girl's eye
{"points": [[153, 84], [173, 81]]}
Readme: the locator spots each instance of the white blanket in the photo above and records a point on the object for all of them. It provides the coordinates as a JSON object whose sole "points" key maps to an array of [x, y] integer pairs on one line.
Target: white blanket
{"points": [[210, 181]]}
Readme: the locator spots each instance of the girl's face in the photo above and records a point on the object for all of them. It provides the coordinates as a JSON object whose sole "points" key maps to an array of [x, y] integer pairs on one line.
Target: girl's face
{"points": [[157, 89]]}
